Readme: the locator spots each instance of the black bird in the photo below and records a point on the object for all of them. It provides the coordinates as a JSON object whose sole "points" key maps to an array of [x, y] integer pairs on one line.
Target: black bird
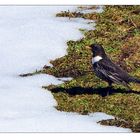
{"points": [[105, 69]]}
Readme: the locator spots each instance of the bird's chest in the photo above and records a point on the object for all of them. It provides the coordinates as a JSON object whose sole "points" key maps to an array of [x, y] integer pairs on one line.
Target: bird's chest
{"points": [[95, 68], [96, 59], [98, 71]]}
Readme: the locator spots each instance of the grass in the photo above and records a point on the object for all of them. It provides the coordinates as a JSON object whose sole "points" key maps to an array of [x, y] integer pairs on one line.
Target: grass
{"points": [[118, 30]]}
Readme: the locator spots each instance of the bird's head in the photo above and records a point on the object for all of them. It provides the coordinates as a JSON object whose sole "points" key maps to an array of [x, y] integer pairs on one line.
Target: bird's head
{"points": [[97, 50]]}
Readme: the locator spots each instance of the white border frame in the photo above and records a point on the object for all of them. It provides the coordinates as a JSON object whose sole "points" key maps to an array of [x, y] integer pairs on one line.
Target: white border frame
{"points": [[70, 2], [64, 136]]}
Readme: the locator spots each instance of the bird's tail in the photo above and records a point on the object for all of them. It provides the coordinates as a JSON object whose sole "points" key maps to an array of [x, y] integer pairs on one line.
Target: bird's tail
{"points": [[134, 80]]}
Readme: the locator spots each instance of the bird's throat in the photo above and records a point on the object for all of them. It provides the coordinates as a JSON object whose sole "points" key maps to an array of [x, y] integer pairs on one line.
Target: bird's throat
{"points": [[96, 59]]}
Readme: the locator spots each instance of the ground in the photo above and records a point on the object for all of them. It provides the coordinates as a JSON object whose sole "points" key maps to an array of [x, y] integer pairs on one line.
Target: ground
{"points": [[118, 30]]}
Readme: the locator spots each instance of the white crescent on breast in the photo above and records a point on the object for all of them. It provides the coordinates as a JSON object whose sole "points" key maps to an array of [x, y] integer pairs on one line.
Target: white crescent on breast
{"points": [[96, 59]]}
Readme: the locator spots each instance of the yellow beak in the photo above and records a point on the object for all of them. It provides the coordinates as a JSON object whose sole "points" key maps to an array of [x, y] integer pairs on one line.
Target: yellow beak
{"points": [[88, 47]]}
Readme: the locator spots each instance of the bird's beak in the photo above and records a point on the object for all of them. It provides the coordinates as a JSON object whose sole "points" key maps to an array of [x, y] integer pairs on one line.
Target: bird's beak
{"points": [[88, 47]]}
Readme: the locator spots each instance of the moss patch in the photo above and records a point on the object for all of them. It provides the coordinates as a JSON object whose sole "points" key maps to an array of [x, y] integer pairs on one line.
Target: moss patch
{"points": [[118, 30]]}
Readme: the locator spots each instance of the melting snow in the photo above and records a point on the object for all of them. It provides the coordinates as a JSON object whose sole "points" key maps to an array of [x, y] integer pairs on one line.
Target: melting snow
{"points": [[31, 36]]}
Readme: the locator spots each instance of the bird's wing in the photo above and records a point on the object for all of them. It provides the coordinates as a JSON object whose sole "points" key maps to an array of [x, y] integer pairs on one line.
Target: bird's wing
{"points": [[112, 71]]}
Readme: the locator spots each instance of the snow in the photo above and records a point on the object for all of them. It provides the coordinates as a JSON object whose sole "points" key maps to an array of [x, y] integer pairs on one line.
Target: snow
{"points": [[31, 36]]}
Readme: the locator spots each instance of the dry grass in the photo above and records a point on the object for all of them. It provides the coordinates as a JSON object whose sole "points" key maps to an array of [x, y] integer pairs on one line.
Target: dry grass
{"points": [[118, 30]]}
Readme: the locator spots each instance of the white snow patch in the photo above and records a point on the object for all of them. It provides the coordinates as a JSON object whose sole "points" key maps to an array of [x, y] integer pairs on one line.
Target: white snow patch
{"points": [[31, 36]]}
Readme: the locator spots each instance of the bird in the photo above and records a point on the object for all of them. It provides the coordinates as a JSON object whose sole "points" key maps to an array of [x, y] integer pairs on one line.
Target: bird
{"points": [[107, 70]]}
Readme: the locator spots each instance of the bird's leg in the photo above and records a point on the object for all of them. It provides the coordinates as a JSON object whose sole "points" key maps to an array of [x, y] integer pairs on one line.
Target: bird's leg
{"points": [[109, 88], [109, 85]]}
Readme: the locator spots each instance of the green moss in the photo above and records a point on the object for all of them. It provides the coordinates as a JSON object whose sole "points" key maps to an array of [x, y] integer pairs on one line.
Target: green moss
{"points": [[123, 106], [118, 30]]}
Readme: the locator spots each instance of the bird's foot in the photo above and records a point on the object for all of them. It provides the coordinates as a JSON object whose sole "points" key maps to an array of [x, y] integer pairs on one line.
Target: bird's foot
{"points": [[108, 91]]}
